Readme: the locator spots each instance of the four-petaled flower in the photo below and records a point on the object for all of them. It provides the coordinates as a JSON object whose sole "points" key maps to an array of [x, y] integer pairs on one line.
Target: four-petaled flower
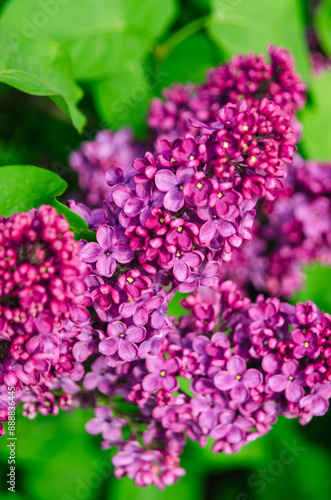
{"points": [[162, 374], [237, 379], [107, 252], [122, 339]]}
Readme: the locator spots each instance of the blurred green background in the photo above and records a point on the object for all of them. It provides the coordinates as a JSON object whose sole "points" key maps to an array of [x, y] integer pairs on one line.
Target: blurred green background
{"points": [[63, 60]]}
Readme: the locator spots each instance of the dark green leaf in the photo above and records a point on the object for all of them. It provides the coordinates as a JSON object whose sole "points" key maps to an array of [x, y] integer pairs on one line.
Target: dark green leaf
{"points": [[124, 98], [188, 61]]}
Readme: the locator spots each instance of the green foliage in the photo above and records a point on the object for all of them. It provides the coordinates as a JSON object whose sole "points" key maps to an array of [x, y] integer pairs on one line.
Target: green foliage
{"points": [[315, 118], [124, 98], [322, 19], [317, 287], [124, 52], [240, 26], [100, 35], [108, 42], [188, 61], [40, 68], [25, 187]]}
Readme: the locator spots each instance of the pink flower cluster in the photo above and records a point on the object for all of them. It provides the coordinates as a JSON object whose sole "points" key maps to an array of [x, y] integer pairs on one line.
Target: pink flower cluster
{"points": [[172, 221], [292, 231], [248, 77], [246, 363], [42, 307]]}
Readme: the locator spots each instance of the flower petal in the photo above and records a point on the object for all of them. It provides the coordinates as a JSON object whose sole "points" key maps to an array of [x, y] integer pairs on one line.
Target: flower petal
{"points": [[151, 382], [224, 381], [91, 252], [127, 351], [165, 180]]}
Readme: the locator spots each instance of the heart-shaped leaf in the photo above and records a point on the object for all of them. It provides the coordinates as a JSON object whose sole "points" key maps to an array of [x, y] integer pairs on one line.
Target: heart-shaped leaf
{"points": [[24, 187]]}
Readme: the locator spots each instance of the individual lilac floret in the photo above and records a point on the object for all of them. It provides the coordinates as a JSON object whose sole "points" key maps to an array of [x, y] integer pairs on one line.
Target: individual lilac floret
{"points": [[122, 339], [161, 374], [106, 424], [289, 381], [107, 251], [237, 379]]}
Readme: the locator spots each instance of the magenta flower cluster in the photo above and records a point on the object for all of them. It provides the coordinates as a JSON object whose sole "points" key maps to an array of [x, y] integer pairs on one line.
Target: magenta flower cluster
{"points": [[248, 77], [176, 220], [42, 308], [292, 231]]}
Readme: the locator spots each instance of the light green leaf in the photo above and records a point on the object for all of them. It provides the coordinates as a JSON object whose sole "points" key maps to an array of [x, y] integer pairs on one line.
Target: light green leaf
{"points": [[315, 118], [175, 308], [241, 26], [317, 287], [100, 35], [40, 68], [24, 187]]}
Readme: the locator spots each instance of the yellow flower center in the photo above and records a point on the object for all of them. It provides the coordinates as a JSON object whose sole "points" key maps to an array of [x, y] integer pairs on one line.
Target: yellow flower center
{"points": [[238, 377], [225, 145], [129, 280], [163, 373], [245, 128], [179, 229], [306, 344], [199, 185]]}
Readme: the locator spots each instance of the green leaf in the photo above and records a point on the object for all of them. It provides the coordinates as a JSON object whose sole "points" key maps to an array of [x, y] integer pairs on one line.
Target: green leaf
{"points": [[188, 61], [322, 22], [317, 287], [40, 68], [124, 98], [100, 35], [24, 187], [241, 26], [315, 118], [175, 308]]}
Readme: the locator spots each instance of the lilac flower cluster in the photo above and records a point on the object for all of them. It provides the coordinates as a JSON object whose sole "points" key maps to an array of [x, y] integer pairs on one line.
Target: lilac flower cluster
{"points": [[109, 150], [245, 77], [294, 230], [42, 307], [172, 221], [246, 363]]}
